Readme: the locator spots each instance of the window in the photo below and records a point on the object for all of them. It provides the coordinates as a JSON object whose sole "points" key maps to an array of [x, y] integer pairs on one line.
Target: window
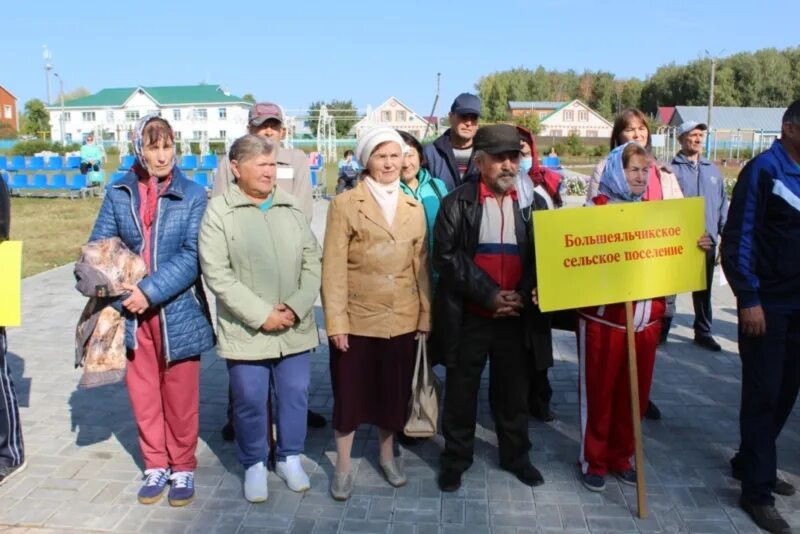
{"points": [[199, 134], [131, 115], [178, 135], [223, 113], [555, 133], [223, 134], [542, 114], [109, 116], [583, 116], [591, 133], [200, 114], [400, 116], [68, 138], [176, 114], [568, 115], [7, 112], [87, 116], [67, 116], [386, 116]]}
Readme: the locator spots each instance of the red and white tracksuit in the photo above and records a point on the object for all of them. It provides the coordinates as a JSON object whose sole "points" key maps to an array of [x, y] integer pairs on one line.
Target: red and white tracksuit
{"points": [[604, 390]]}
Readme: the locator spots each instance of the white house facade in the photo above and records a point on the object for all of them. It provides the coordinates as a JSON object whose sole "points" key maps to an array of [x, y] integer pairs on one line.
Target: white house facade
{"points": [[196, 112], [395, 114], [575, 117]]}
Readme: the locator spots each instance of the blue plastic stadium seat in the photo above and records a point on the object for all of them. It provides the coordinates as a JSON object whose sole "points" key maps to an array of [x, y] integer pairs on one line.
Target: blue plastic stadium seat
{"points": [[58, 181], [201, 178], [39, 181], [314, 177], [3, 163], [17, 163], [188, 162], [78, 182], [127, 162], [36, 163], [209, 162], [73, 162], [117, 176], [19, 181], [55, 163]]}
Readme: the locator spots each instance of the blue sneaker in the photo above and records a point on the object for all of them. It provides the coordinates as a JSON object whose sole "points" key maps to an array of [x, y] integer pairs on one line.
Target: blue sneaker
{"points": [[627, 477], [181, 492], [594, 482], [155, 482]]}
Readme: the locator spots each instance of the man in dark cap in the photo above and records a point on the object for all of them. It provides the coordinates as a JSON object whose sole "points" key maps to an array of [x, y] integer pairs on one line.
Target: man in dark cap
{"points": [[451, 157], [483, 250], [12, 454]]}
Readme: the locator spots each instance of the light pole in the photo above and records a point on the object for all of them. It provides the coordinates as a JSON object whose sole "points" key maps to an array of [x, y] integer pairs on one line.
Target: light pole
{"points": [[47, 56], [61, 117], [711, 99]]}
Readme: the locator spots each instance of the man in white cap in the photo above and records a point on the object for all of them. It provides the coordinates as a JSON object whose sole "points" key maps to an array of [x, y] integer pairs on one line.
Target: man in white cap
{"points": [[266, 120], [699, 177]]}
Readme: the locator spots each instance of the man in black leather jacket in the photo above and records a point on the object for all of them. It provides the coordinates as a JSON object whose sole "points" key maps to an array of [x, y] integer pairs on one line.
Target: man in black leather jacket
{"points": [[12, 455], [483, 250]]}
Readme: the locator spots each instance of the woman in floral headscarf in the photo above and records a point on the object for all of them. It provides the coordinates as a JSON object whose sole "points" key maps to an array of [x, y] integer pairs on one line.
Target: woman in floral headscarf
{"points": [[156, 212], [606, 430]]}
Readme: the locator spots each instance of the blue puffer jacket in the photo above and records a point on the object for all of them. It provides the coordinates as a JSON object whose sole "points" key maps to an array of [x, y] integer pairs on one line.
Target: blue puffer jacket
{"points": [[174, 284]]}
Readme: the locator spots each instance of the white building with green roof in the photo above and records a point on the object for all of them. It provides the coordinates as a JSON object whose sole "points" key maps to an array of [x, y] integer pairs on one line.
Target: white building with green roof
{"points": [[196, 112]]}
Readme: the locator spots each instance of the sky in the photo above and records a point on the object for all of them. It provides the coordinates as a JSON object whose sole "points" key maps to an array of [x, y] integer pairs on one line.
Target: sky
{"points": [[296, 52]]}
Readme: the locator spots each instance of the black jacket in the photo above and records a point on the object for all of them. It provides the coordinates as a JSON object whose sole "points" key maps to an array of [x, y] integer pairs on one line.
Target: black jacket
{"points": [[455, 241], [441, 162], [5, 211]]}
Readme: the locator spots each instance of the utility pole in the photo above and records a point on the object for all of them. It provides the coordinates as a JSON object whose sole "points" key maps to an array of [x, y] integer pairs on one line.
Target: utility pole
{"points": [[433, 110], [47, 56], [711, 100]]}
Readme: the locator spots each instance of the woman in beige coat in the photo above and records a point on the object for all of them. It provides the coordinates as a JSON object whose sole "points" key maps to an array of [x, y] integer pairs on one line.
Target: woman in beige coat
{"points": [[376, 297], [262, 262]]}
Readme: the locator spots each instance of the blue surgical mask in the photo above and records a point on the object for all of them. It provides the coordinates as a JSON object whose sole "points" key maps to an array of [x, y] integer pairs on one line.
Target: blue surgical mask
{"points": [[525, 164]]}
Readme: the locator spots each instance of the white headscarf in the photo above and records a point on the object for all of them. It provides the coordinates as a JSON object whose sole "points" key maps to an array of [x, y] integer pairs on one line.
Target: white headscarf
{"points": [[386, 195]]}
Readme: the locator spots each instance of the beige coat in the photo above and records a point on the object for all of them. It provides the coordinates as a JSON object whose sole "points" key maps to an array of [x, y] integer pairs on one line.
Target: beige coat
{"points": [[375, 279], [669, 183], [294, 177]]}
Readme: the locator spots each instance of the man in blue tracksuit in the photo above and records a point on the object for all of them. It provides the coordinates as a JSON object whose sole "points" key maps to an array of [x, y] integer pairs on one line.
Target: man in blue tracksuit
{"points": [[761, 259], [699, 177]]}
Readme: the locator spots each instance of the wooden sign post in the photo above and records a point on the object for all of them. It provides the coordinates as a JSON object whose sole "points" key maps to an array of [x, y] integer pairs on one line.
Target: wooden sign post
{"points": [[633, 377]]}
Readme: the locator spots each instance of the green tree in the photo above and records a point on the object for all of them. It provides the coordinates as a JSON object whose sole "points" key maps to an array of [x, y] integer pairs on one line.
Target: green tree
{"points": [[249, 98], [80, 92], [529, 121], [344, 113], [36, 118]]}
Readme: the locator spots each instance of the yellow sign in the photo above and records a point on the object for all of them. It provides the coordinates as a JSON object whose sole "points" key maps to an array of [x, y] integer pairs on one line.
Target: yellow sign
{"points": [[10, 275], [618, 252]]}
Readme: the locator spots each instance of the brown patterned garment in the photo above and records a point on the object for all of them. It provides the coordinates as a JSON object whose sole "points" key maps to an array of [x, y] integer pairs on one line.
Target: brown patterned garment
{"points": [[103, 267]]}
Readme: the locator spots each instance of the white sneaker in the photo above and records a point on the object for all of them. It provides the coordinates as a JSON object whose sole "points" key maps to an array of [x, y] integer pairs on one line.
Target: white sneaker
{"points": [[293, 473], [255, 483]]}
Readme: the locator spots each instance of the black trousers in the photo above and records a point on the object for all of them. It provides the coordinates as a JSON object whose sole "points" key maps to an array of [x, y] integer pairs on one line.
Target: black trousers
{"points": [[702, 299], [501, 341], [539, 392], [770, 382], [11, 447], [86, 166]]}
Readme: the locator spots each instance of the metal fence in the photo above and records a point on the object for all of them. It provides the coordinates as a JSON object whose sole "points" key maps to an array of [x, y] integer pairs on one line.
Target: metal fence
{"points": [[721, 145]]}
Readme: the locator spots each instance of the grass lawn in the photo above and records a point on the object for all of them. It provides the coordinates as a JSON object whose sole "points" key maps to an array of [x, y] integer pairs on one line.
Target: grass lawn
{"points": [[51, 229]]}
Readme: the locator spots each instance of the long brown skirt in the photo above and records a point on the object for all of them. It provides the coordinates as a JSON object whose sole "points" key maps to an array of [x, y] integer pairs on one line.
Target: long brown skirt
{"points": [[372, 382]]}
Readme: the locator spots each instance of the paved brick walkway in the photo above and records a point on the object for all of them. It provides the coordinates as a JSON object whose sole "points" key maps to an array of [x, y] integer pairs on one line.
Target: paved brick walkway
{"points": [[84, 467]]}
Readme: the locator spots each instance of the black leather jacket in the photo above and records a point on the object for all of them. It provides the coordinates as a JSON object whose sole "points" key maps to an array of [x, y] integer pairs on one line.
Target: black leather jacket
{"points": [[5, 211], [455, 241]]}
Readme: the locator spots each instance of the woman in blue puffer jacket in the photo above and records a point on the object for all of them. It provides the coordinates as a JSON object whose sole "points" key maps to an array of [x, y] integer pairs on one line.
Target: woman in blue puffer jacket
{"points": [[156, 211]]}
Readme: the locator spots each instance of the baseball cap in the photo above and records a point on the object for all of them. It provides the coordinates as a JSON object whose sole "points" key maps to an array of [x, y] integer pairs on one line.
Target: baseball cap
{"points": [[263, 111], [466, 104], [688, 126], [497, 138]]}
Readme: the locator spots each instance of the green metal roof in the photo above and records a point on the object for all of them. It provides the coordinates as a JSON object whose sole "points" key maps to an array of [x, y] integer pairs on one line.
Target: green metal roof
{"points": [[173, 95]]}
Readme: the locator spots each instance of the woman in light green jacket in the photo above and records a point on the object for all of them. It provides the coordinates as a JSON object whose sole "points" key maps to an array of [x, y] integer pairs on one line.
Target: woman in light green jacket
{"points": [[261, 261]]}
